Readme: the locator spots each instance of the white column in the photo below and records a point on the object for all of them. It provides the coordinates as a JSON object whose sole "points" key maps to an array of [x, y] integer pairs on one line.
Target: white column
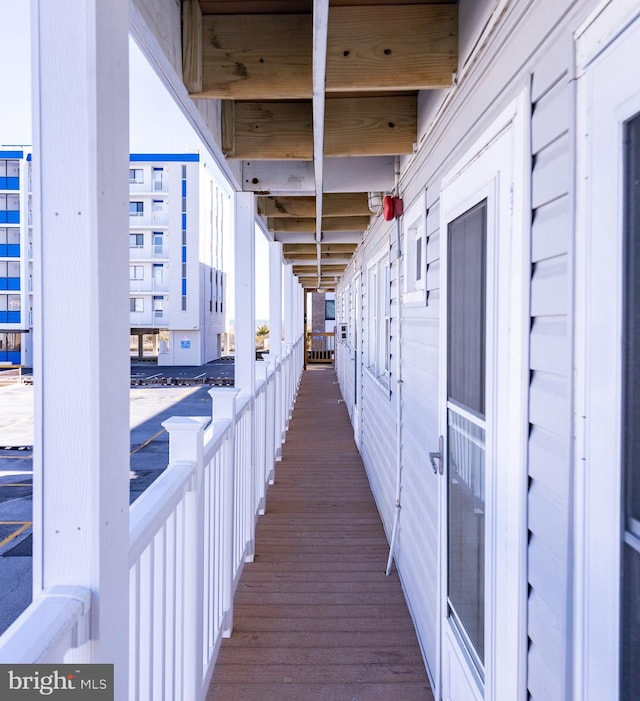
{"points": [[245, 265], [275, 299], [288, 303], [81, 329]]}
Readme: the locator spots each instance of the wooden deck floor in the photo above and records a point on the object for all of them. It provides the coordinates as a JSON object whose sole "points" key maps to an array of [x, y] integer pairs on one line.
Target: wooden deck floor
{"points": [[315, 616]]}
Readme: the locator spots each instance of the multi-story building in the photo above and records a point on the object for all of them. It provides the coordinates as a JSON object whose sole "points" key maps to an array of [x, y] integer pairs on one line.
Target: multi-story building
{"points": [[15, 274], [177, 216]]}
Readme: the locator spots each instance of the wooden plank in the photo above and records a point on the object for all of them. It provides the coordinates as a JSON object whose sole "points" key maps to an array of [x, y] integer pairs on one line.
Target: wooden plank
{"points": [[257, 57], [333, 205], [315, 607], [392, 47], [370, 126], [228, 126], [289, 224], [273, 130], [366, 126], [192, 45]]}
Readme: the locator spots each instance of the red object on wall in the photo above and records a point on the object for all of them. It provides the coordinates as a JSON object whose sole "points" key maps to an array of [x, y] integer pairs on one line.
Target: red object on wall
{"points": [[392, 207]]}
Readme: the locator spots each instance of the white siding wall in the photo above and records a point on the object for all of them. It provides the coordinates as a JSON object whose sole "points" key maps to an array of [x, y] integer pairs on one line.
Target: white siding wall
{"points": [[549, 497], [534, 47]]}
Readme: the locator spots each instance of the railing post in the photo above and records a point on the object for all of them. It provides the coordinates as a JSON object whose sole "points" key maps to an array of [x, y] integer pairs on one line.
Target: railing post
{"points": [[262, 375], [274, 442], [224, 407], [186, 445]]}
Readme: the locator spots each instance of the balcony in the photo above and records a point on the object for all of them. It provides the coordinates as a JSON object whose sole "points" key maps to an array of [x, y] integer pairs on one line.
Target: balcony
{"points": [[297, 608]]}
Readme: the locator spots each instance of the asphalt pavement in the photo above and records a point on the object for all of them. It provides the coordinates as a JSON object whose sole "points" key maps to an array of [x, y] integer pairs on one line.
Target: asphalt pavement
{"points": [[150, 405]]}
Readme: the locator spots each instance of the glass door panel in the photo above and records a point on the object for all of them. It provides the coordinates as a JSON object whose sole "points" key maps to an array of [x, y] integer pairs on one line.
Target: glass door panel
{"points": [[466, 428]]}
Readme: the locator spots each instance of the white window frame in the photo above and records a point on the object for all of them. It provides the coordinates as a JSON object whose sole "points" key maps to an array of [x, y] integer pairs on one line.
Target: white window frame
{"points": [[134, 303], [137, 212], [136, 272], [415, 239], [598, 371], [135, 238], [378, 316], [136, 176]]}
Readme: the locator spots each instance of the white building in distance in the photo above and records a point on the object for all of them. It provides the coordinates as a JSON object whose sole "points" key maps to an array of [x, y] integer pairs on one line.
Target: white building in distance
{"points": [[177, 215]]}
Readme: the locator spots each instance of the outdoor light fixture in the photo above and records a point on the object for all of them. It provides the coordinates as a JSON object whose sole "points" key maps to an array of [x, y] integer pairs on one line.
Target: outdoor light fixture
{"points": [[375, 203]]}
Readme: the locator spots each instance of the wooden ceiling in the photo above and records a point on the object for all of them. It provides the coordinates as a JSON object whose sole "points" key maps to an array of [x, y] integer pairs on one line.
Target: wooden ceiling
{"points": [[317, 100]]}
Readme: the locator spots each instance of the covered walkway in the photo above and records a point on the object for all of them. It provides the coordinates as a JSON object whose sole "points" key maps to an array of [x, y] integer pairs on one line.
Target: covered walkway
{"points": [[315, 617]]}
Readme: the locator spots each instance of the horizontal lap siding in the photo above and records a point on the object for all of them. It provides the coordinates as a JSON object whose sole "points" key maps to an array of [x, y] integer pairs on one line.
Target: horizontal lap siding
{"points": [[549, 498], [379, 406], [417, 546]]}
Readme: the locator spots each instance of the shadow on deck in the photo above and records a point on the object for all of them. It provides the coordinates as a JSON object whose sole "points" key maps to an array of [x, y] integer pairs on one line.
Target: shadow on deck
{"points": [[315, 617]]}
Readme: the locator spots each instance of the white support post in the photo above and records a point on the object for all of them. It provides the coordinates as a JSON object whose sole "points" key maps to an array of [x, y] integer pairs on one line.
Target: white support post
{"points": [[224, 407], [186, 445], [275, 299], [245, 325], [81, 324], [245, 321], [262, 375], [288, 303]]}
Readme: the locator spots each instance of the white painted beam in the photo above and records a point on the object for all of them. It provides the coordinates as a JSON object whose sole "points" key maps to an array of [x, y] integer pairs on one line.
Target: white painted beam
{"points": [[275, 299], [245, 311], [354, 174], [287, 291], [353, 237], [81, 356]]}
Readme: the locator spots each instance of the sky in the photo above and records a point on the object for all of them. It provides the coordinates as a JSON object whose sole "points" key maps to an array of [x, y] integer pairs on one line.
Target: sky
{"points": [[156, 124]]}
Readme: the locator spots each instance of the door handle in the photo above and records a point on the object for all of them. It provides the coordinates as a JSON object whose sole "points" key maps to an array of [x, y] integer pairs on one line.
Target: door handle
{"points": [[437, 458]]}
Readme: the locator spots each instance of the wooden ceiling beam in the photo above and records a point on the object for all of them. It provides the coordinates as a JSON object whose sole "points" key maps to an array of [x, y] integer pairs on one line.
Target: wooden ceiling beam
{"points": [[370, 126], [264, 56], [333, 205], [291, 237], [256, 57], [393, 47], [365, 126], [308, 224]]}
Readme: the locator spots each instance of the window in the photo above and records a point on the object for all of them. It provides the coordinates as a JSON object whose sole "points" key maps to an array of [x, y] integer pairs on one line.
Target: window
{"points": [[157, 179], [378, 317], [158, 307], [136, 176], [467, 310], [158, 243], [136, 304], [330, 310], [630, 621], [136, 272], [467, 427], [136, 209], [136, 240], [415, 254]]}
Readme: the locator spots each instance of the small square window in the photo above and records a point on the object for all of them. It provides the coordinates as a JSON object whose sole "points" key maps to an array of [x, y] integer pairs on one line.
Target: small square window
{"points": [[136, 304], [136, 175], [136, 272], [136, 209], [136, 240]]}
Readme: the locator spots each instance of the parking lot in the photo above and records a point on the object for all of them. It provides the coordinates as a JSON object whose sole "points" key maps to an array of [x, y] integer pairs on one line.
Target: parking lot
{"points": [[150, 405]]}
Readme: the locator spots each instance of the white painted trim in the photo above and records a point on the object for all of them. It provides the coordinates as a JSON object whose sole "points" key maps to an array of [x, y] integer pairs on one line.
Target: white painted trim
{"points": [[81, 433], [598, 330], [498, 168], [414, 220]]}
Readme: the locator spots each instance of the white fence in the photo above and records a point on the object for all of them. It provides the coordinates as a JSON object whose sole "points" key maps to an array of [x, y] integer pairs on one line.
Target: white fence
{"points": [[190, 532]]}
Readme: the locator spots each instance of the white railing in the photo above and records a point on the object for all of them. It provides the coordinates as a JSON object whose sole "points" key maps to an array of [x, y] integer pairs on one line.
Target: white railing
{"points": [[190, 534], [199, 530]]}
